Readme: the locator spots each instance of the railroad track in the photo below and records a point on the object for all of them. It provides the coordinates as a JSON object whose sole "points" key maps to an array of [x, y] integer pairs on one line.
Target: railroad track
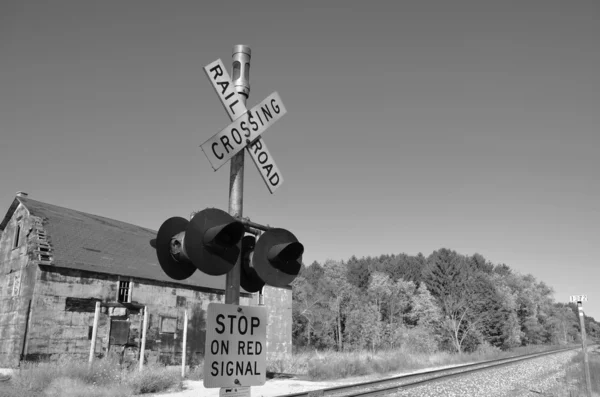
{"points": [[382, 387]]}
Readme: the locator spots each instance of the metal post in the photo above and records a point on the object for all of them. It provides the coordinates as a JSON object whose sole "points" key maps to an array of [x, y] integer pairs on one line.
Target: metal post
{"points": [[185, 325], [586, 366], [241, 82], [144, 327], [94, 333], [253, 225]]}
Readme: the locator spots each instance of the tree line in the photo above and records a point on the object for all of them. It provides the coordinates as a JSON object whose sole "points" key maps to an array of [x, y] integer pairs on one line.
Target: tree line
{"points": [[446, 301]]}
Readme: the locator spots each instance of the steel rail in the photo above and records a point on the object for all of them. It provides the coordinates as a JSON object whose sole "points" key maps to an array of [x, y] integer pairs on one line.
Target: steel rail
{"points": [[393, 389], [378, 387]]}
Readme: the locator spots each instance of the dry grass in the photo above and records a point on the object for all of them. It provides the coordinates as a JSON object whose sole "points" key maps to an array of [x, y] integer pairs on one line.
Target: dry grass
{"points": [[154, 379], [335, 365], [72, 378], [195, 373], [574, 383]]}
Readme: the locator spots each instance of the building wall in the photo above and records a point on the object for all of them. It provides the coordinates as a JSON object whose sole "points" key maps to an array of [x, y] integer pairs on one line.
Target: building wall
{"points": [[47, 312], [278, 302], [17, 280], [63, 312]]}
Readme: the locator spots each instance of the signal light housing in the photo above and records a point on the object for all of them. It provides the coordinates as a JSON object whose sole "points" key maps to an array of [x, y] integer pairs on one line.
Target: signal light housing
{"points": [[277, 257], [180, 268], [209, 242], [249, 279], [212, 241]]}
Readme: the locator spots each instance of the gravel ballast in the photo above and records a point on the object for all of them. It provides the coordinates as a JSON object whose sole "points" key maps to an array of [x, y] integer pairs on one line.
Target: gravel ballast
{"points": [[526, 378]]}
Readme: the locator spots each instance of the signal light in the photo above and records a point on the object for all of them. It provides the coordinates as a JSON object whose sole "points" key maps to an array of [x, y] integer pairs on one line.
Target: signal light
{"points": [[208, 242], [177, 266], [213, 239], [249, 279], [277, 257]]}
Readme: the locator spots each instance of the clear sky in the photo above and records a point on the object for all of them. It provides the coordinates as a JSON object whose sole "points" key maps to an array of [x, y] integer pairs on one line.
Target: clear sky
{"points": [[411, 125]]}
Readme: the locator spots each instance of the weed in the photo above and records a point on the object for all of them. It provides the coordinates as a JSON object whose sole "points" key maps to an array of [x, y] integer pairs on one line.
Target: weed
{"points": [[154, 379], [337, 365], [574, 382], [195, 373], [73, 378]]}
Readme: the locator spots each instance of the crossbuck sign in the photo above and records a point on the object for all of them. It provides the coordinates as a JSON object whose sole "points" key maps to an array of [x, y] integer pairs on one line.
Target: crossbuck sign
{"points": [[245, 129]]}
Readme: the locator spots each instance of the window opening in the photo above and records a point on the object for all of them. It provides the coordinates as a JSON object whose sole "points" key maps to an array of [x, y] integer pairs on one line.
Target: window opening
{"points": [[124, 291], [17, 235]]}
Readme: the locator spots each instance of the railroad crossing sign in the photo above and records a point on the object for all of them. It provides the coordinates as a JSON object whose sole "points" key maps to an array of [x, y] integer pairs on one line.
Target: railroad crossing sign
{"points": [[245, 129], [235, 347], [578, 298]]}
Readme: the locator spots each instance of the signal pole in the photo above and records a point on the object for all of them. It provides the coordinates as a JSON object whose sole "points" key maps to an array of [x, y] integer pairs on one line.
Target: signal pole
{"points": [[206, 241], [241, 81], [586, 366]]}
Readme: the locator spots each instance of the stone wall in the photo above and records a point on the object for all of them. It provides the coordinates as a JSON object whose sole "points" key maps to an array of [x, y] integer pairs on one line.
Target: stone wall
{"points": [[47, 312], [17, 280], [63, 313]]}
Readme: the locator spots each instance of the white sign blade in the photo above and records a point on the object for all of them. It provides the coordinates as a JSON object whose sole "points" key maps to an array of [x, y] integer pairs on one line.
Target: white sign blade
{"points": [[245, 129], [265, 164], [235, 352], [219, 78]]}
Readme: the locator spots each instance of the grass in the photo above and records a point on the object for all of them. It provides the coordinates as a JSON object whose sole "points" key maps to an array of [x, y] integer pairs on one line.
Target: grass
{"points": [[327, 365], [154, 379], [334, 365], [195, 373], [72, 378], [573, 384]]}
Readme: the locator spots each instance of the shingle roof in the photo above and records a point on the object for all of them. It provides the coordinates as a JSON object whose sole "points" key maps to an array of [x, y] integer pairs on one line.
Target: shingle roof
{"points": [[94, 243]]}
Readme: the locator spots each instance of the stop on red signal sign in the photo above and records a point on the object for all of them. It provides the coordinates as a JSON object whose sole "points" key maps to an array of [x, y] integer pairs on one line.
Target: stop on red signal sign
{"points": [[235, 348]]}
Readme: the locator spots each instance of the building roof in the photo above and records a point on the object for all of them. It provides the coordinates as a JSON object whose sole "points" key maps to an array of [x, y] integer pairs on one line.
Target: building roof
{"points": [[94, 243]]}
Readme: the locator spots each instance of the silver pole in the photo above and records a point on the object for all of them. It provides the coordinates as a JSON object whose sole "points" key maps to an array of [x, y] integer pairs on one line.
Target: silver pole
{"points": [[185, 325], [241, 82], [253, 225], [144, 327], [94, 333]]}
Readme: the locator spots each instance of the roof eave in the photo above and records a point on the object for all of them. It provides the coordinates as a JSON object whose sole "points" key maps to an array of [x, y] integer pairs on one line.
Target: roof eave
{"points": [[9, 213]]}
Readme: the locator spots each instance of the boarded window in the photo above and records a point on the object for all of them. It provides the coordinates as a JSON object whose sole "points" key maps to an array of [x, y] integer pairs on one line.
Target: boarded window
{"points": [[80, 304], [181, 301], [119, 332], [168, 325]]}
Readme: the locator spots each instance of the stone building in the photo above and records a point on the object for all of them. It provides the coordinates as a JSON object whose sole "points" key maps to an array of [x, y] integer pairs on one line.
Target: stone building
{"points": [[55, 263]]}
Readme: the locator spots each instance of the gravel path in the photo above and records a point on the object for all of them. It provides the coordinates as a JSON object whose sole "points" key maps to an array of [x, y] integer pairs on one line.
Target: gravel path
{"points": [[528, 378]]}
